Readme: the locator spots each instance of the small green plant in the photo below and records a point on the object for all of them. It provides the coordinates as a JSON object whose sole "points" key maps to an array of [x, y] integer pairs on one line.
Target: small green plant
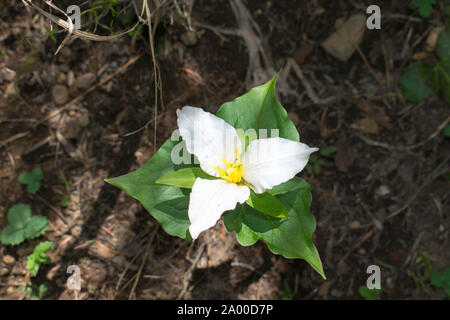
{"points": [[315, 164], [441, 280], [425, 7], [420, 79], [369, 294], [35, 292], [32, 180], [286, 294], [447, 130], [22, 225], [38, 256]]}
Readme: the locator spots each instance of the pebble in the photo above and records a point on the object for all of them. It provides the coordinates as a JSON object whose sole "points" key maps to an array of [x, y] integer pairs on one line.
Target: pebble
{"points": [[189, 38], [60, 94], [8, 259], [85, 81], [354, 225], [342, 43], [4, 271]]}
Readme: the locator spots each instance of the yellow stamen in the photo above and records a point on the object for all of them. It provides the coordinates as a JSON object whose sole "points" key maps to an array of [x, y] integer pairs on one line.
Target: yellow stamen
{"points": [[233, 172]]}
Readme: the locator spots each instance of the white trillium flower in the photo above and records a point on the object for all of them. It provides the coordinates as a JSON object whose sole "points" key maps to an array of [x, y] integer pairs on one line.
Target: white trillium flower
{"points": [[265, 164]]}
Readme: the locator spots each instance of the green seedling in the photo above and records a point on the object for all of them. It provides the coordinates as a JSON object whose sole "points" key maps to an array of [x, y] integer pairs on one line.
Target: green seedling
{"points": [[441, 280], [447, 130], [22, 225], [286, 294], [32, 180], [35, 292], [425, 7], [369, 294], [315, 164], [38, 256], [420, 79]]}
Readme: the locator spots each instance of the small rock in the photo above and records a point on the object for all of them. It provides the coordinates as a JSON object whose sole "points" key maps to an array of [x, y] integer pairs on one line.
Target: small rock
{"points": [[85, 81], [10, 290], [60, 94], [354, 225], [342, 43], [76, 231], [70, 78], [61, 78], [382, 190], [8, 259], [189, 38], [4, 271]]}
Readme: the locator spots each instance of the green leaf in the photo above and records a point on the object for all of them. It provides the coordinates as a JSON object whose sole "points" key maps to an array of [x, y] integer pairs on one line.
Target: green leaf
{"points": [[443, 44], [369, 294], [18, 215], [267, 204], [436, 279], [413, 82], [425, 7], [65, 201], [12, 236], [22, 225], [32, 180], [38, 256], [36, 226], [289, 237], [167, 204], [440, 78], [259, 109], [328, 151], [184, 178]]}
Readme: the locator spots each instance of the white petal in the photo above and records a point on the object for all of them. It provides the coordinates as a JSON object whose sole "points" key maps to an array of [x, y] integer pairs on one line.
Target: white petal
{"points": [[209, 199], [208, 137], [269, 162]]}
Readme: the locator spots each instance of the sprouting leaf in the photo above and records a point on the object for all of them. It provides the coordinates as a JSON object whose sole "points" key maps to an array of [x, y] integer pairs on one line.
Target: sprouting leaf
{"points": [[32, 180], [447, 130], [65, 201], [22, 225], [425, 7], [328, 151], [369, 294], [413, 82], [38, 256]]}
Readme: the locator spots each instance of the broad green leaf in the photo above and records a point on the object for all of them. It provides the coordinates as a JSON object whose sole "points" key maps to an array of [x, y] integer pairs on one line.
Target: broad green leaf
{"points": [[32, 180], [443, 44], [12, 236], [259, 109], [436, 279], [19, 215], [413, 82], [36, 226], [289, 237], [167, 204], [267, 204], [184, 178]]}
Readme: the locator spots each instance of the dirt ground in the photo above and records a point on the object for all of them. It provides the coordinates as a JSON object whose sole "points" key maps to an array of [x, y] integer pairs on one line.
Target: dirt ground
{"points": [[382, 199]]}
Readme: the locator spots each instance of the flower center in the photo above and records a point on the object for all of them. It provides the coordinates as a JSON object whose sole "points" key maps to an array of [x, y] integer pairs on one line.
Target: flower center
{"points": [[233, 172]]}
